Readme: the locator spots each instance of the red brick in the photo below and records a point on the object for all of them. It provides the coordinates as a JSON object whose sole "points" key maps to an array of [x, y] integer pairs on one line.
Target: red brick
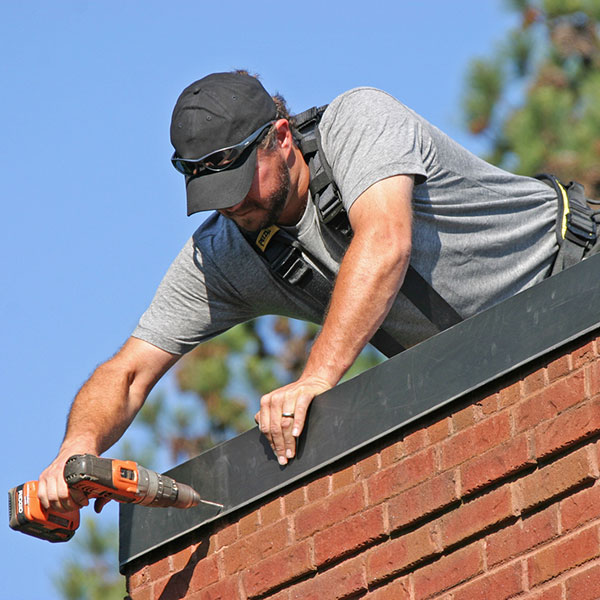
{"points": [[560, 367], [228, 589], [343, 581], [522, 536], [550, 401], [464, 418], [476, 516], [160, 568], [563, 555], [389, 559], [438, 431], [533, 382], [584, 585], [331, 510], [317, 489], [495, 464], [248, 524], [488, 405], [255, 547], [570, 472], [145, 593], [415, 441], [139, 579], [567, 429], [342, 478], [391, 454], [226, 536], [475, 440], [427, 497], [205, 572], [550, 593], [499, 585], [366, 467], [293, 501], [282, 595], [580, 508], [349, 535], [271, 512], [448, 571], [174, 586], [592, 375], [403, 475], [583, 355], [396, 590], [509, 395], [291, 563]]}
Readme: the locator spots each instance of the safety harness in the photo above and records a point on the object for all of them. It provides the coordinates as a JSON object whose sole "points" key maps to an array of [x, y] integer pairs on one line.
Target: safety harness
{"points": [[576, 223], [576, 232], [296, 267]]}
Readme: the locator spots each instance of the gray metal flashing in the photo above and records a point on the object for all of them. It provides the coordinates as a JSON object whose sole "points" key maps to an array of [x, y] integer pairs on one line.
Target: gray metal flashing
{"points": [[384, 399]]}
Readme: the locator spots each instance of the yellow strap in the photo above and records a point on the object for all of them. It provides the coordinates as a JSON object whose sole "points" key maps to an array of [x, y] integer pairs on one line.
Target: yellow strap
{"points": [[566, 210], [264, 237]]}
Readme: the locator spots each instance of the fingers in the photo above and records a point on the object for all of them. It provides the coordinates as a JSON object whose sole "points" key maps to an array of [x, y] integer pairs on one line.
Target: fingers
{"points": [[53, 492], [280, 430], [100, 503]]}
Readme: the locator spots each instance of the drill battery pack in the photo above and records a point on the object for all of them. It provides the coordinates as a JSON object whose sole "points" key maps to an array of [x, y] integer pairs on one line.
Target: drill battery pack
{"points": [[26, 514]]}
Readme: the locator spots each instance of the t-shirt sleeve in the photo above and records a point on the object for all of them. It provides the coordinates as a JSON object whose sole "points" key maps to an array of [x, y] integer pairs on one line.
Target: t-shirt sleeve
{"points": [[367, 136], [192, 304]]}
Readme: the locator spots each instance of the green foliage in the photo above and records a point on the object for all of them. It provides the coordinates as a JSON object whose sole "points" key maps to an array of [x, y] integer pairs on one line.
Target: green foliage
{"points": [[538, 99], [91, 574]]}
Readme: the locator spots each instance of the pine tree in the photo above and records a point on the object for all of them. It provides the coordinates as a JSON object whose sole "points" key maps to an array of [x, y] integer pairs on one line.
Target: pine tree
{"points": [[537, 100]]}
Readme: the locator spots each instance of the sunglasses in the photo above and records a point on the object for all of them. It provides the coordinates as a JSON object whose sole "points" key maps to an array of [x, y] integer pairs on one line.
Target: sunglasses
{"points": [[219, 160]]}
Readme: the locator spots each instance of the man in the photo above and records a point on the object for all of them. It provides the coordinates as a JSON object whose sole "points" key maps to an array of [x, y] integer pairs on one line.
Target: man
{"points": [[474, 233]]}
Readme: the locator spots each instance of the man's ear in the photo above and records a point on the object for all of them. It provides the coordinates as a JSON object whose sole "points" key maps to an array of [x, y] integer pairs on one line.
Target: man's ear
{"points": [[284, 134]]}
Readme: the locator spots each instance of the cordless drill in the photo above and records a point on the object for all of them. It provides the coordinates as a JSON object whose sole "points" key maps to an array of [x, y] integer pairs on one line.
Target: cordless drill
{"points": [[121, 480]]}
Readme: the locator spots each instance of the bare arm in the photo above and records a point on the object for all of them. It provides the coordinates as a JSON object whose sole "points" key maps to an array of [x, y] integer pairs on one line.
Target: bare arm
{"points": [[101, 412], [369, 279]]}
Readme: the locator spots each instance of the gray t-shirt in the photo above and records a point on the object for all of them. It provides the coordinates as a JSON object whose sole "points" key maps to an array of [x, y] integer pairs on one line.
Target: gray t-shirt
{"points": [[480, 234]]}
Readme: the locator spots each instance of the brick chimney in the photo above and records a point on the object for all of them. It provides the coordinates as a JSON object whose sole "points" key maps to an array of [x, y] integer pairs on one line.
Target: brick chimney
{"points": [[492, 496]]}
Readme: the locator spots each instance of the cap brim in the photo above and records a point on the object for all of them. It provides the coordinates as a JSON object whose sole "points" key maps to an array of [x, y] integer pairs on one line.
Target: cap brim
{"points": [[221, 189]]}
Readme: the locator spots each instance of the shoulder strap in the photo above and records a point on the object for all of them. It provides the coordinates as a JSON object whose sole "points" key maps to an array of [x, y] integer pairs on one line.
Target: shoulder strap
{"points": [[289, 262], [333, 214]]}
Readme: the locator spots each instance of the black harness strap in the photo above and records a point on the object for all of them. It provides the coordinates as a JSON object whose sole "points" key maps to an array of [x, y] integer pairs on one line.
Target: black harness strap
{"points": [[290, 262], [576, 223], [416, 289]]}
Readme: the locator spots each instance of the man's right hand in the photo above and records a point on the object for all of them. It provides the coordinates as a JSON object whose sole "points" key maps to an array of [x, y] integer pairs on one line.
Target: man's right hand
{"points": [[53, 491]]}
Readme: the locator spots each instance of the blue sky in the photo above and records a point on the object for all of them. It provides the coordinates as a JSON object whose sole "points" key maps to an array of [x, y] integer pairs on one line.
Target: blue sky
{"points": [[94, 212]]}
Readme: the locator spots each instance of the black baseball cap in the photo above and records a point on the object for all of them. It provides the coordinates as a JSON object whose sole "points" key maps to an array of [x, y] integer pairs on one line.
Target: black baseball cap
{"points": [[215, 112]]}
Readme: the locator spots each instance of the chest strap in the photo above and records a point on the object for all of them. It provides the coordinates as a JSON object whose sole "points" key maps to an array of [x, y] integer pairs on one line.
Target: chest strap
{"points": [[289, 262]]}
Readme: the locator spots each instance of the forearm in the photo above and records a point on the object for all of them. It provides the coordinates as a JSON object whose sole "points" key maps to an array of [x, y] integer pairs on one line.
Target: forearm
{"points": [[103, 409], [101, 412], [364, 292]]}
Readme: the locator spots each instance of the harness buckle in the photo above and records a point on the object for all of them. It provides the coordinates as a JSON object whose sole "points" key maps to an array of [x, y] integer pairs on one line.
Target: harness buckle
{"points": [[581, 228], [291, 267]]}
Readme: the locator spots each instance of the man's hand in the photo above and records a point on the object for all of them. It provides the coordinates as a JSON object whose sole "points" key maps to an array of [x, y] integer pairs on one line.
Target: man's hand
{"points": [[293, 399], [53, 491], [368, 281]]}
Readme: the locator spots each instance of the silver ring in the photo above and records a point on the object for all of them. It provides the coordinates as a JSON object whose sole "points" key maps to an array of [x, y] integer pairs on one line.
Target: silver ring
{"points": [[288, 414]]}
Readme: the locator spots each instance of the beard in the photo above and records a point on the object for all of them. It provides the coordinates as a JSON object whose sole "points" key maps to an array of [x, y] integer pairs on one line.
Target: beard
{"points": [[269, 211]]}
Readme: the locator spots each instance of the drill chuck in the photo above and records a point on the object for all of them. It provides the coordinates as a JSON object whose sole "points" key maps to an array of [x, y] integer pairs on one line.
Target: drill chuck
{"points": [[155, 489]]}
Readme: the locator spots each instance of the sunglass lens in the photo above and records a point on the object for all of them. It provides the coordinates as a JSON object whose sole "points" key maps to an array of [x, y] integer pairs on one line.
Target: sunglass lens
{"points": [[220, 160]]}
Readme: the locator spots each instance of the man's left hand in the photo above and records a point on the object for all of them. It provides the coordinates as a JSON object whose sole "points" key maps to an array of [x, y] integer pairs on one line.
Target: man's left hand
{"points": [[292, 400]]}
